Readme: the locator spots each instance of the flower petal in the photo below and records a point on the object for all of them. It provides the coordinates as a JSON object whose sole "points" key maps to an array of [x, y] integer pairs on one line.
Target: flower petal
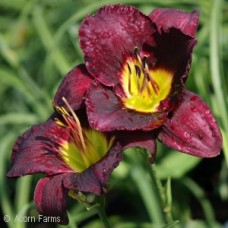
{"points": [[166, 19], [175, 40], [192, 128], [174, 52], [51, 198], [104, 167], [139, 139], [108, 36], [36, 151], [83, 182], [105, 113], [95, 178], [73, 87]]}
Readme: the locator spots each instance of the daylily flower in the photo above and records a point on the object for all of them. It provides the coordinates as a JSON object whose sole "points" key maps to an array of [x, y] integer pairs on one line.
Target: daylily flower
{"points": [[74, 157], [141, 64]]}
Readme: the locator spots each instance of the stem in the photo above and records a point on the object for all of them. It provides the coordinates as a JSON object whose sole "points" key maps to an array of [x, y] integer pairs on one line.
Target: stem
{"points": [[99, 207], [149, 196], [151, 190], [216, 72], [159, 193], [159, 190], [205, 203]]}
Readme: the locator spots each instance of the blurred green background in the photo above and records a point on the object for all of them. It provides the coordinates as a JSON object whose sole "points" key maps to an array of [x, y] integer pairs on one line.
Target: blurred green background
{"points": [[39, 45]]}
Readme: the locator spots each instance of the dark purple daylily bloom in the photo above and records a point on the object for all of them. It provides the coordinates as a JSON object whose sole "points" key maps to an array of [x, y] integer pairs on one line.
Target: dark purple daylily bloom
{"points": [[140, 64], [74, 157], [132, 90]]}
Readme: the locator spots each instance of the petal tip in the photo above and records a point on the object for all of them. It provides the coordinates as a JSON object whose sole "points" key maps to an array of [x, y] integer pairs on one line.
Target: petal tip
{"points": [[192, 128], [166, 18]]}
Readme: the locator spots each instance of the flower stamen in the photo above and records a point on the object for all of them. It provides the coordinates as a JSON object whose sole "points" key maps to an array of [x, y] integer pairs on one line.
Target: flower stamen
{"points": [[144, 86], [86, 146], [78, 125]]}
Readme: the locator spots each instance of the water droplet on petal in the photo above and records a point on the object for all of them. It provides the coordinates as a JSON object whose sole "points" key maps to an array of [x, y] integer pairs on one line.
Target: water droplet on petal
{"points": [[187, 135], [207, 112]]}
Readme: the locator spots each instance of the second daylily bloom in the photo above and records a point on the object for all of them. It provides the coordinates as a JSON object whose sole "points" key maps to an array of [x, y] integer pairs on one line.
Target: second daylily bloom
{"points": [[75, 158], [140, 64]]}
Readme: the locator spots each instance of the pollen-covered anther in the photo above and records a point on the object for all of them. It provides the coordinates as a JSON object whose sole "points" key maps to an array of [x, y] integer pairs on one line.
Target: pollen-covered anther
{"points": [[72, 122], [143, 68], [85, 145], [143, 84]]}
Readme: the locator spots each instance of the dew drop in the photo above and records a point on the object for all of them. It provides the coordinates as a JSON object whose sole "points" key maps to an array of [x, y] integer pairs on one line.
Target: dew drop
{"points": [[187, 135], [207, 112]]}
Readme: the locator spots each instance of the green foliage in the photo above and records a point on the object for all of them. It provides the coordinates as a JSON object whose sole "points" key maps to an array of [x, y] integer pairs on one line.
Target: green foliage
{"points": [[39, 45]]}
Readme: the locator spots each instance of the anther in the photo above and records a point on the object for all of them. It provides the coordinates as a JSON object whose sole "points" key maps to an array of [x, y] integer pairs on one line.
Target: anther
{"points": [[129, 68], [144, 62], [136, 51], [77, 122], [137, 70], [137, 54]]}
